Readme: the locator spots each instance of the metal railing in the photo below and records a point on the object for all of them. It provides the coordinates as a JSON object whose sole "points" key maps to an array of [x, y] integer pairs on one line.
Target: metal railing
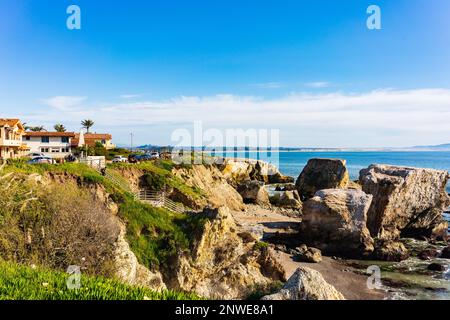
{"points": [[159, 199], [117, 182]]}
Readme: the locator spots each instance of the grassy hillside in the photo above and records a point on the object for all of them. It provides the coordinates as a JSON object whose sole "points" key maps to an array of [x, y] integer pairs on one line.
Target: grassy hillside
{"points": [[19, 282], [154, 234], [158, 174]]}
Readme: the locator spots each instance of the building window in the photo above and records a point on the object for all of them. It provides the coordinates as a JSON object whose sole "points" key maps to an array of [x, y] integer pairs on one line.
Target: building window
{"points": [[65, 150], [45, 139], [44, 149], [103, 141], [55, 150], [28, 138], [65, 139]]}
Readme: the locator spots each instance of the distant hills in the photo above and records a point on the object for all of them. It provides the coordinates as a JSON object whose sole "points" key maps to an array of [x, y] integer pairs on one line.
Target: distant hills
{"points": [[440, 147]]}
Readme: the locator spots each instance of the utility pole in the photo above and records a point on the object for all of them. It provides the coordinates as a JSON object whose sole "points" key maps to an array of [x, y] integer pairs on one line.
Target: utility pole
{"points": [[131, 141]]}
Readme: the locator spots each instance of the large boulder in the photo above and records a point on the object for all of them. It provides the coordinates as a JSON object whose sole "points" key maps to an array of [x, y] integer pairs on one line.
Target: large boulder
{"points": [[253, 192], [322, 174], [445, 254], [335, 221], [288, 199], [306, 284], [406, 201], [305, 254], [389, 250]]}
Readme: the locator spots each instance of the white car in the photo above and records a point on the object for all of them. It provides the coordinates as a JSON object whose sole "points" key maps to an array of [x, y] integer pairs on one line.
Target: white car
{"points": [[154, 155], [38, 160], [36, 155], [118, 159]]}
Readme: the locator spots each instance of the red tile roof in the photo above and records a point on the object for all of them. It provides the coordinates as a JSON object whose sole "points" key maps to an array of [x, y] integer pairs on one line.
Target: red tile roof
{"points": [[49, 134], [91, 138], [95, 136]]}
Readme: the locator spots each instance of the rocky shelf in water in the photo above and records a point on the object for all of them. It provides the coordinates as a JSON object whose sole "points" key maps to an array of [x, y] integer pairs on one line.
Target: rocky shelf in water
{"points": [[411, 278]]}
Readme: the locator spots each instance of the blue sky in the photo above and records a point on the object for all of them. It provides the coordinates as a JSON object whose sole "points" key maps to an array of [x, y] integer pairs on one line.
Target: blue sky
{"points": [[308, 68]]}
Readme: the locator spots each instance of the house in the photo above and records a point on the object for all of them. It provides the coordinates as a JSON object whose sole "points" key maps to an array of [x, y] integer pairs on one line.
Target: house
{"points": [[53, 144], [91, 139], [11, 145]]}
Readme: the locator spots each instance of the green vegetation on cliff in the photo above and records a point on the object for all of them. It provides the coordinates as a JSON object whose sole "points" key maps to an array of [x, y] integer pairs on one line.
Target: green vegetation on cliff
{"points": [[18, 282], [33, 231], [158, 175]]}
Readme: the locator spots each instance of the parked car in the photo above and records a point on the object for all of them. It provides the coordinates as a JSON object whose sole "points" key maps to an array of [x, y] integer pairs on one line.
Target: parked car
{"points": [[154, 155], [36, 154], [133, 158], [145, 157], [37, 160], [118, 159], [70, 158]]}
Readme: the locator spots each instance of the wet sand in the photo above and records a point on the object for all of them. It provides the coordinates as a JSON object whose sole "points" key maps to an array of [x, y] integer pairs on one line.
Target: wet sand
{"points": [[351, 284]]}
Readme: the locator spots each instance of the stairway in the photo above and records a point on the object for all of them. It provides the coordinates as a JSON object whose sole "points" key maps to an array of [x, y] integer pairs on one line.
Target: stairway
{"points": [[156, 199], [159, 199]]}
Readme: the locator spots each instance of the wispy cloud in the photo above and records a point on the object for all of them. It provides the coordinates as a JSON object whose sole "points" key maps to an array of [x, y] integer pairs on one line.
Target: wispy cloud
{"points": [[63, 102], [374, 118], [318, 84], [269, 85], [130, 96]]}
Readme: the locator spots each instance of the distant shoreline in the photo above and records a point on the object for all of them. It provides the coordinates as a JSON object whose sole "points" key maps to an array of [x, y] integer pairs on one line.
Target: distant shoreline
{"points": [[322, 150]]}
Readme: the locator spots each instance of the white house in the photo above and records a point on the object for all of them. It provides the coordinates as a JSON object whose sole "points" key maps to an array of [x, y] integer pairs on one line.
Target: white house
{"points": [[52, 144]]}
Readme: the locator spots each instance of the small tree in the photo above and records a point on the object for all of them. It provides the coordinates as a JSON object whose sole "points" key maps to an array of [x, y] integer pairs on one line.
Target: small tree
{"points": [[59, 127], [36, 129], [87, 124]]}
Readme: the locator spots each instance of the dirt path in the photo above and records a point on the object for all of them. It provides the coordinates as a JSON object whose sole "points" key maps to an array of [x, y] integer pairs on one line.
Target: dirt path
{"points": [[266, 222]]}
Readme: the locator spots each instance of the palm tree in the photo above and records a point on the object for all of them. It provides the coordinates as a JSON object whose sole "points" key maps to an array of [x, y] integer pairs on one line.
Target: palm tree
{"points": [[87, 124], [37, 129], [60, 127]]}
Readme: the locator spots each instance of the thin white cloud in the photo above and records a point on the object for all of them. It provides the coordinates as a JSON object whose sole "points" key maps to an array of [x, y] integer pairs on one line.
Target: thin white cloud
{"points": [[384, 117], [64, 102], [130, 96], [318, 84], [269, 85]]}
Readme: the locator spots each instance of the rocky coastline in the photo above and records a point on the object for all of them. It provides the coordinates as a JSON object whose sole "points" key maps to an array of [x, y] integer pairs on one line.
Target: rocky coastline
{"points": [[324, 213], [250, 232]]}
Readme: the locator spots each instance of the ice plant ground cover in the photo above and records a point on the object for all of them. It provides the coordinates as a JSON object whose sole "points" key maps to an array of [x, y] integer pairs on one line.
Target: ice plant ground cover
{"points": [[19, 282]]}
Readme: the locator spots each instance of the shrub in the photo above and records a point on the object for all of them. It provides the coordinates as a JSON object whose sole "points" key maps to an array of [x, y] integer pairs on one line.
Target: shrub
{"points": [[154, 181], [55, 226], [260, 245]]}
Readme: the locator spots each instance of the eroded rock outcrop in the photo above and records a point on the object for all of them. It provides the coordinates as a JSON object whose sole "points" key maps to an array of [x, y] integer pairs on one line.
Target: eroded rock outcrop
{"points": [[253, 192], [237, 171], [322, 174], [221, 265], [128, 269], [213, 183], [306, 284], [334, 220], [406, 201]]}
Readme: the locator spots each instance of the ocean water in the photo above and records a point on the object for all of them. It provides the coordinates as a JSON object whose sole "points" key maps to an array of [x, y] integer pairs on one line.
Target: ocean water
{"points": [[292, 163]]}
